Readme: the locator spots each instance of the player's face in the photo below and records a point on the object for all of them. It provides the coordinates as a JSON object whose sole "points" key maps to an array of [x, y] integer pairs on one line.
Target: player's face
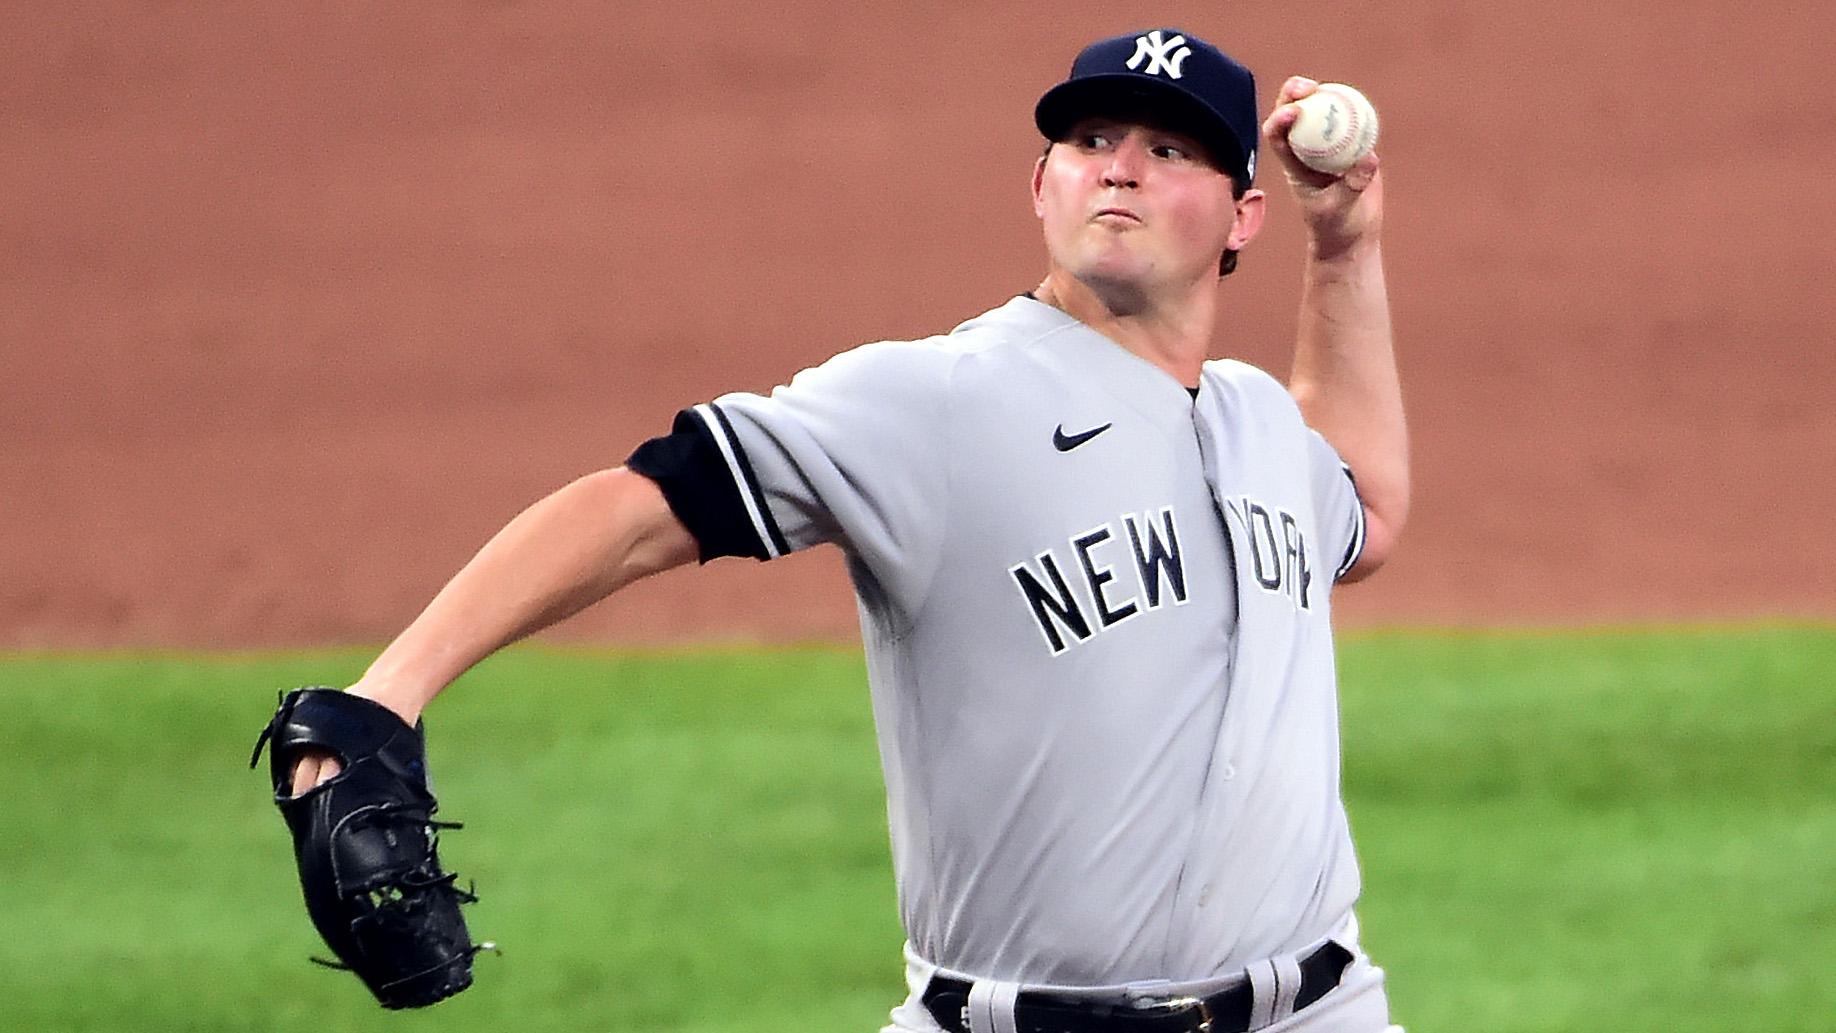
{"points": [[1131, 205]]}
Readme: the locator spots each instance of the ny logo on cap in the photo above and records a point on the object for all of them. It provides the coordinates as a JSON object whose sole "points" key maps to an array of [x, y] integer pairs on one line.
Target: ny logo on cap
{"points": [[1154, 50]]}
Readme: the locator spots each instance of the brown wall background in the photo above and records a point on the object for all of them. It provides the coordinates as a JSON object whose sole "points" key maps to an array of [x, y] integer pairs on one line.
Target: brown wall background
{"points": [[299, 303]]}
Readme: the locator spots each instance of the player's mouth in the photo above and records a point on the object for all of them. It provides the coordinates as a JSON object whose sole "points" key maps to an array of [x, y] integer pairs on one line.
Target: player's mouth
{"points": [[1115, 215]]}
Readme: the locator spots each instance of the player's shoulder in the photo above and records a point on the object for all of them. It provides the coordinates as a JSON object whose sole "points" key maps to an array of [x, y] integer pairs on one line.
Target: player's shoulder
{"points": [[1002, 347], [1253, 385], [1023, 319], [887, 375], [908, 370], [892, 358], [1018, 322], [1242, 376]]}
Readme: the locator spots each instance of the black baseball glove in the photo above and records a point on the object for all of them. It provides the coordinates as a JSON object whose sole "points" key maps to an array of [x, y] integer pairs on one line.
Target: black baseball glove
{"points": [[365, 841]]}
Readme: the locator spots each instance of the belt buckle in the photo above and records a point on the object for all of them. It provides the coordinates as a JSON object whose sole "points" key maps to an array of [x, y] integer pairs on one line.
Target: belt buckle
{"points": [[1180, 1004]]}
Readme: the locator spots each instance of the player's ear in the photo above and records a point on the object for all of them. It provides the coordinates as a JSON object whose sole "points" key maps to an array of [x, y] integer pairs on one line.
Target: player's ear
{"points": [[1250, 209], [1039, 183]]}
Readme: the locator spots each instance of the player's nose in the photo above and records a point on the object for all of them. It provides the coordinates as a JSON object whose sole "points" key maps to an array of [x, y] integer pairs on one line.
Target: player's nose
{"points": [[1125, 161]]}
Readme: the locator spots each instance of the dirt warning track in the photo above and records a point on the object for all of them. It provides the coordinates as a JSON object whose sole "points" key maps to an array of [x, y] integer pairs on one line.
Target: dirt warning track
{"points": [[296, 310]]}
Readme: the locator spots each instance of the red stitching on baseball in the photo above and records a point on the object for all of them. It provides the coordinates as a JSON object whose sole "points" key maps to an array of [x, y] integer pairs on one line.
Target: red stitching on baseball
{"points": [[1351, 137]]}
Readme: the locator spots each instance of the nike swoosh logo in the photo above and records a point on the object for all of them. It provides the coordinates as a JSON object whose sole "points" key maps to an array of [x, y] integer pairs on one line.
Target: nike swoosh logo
{"points": [[1066, 442]]}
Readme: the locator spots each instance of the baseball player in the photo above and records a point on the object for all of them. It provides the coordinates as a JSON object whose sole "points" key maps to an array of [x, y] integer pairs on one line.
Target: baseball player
{"points": [[1094, 572]]}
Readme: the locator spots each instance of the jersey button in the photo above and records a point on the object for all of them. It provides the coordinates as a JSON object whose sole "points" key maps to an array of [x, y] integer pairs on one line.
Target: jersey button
{"points": [[1230, 771]]}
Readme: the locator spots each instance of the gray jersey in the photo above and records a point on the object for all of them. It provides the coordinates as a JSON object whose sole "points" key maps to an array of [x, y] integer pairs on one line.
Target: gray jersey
{"points": [[1097, 625]]}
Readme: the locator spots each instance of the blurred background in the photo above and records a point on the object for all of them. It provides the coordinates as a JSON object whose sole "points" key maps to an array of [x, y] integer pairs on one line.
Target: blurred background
{"points": [[300, 303]]}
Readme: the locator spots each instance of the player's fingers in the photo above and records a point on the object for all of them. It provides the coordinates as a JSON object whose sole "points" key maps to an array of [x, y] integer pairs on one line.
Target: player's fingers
{"points": [[1360, 175], [1295, 88], [328, 770], [1275, 127], [305, 774], [1275, 132], [1275, 141], [312, 769]]}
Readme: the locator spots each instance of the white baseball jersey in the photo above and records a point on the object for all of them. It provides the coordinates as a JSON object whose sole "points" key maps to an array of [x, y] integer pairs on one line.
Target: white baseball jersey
{"points": [[1096, 615]]}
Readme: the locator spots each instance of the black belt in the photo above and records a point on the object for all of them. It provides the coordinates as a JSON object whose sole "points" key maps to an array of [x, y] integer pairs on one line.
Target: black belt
{"points": [[1227, 1011]]}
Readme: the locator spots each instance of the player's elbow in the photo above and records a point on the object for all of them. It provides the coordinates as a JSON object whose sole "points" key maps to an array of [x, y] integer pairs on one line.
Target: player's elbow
{"points": [[1381, 531], [653, 539], [1383, 490]]}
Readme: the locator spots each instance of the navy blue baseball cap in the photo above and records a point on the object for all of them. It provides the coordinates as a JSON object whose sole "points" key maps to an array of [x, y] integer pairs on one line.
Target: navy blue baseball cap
{"points": [[1195, 86]]}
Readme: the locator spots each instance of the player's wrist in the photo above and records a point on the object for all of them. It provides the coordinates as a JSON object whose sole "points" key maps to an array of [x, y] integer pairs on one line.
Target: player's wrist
{"points": [[405, 703]]}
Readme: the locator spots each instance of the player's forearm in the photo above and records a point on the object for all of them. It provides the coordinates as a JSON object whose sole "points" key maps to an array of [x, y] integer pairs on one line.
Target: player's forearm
{"points": [[1345, 378], [557, 557]]}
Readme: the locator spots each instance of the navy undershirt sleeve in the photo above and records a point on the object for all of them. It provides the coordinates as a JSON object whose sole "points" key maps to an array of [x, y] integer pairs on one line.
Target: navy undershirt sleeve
{"points": [[699, 487]]}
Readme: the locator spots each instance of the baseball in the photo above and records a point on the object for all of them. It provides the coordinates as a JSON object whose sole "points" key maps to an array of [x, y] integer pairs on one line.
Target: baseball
{"points": [[1336, 127]]}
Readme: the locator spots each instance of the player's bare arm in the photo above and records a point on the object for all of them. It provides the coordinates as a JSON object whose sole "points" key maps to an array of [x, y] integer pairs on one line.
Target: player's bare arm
{"points": [[1344, 376], [559, 556]]}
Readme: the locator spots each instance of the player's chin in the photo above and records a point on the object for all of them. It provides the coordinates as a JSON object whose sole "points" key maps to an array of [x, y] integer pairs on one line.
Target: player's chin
{"points": [[1114, 261], [1125, 291]]}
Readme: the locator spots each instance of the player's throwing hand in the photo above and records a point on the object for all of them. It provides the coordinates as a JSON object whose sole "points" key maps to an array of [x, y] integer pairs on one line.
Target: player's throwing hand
{"points": [[1340, 211]]}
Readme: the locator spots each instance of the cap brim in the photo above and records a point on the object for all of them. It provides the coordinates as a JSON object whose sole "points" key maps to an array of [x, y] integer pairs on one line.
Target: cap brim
{"points": [[1064, 105]]}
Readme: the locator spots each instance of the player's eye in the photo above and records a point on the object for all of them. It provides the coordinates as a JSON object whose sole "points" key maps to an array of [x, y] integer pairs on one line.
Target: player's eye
{"points": [[1092, 141], [1170, 152]]}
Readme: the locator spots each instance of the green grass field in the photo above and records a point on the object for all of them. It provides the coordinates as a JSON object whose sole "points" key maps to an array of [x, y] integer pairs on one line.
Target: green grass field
{"points": [[1579, 831]]}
